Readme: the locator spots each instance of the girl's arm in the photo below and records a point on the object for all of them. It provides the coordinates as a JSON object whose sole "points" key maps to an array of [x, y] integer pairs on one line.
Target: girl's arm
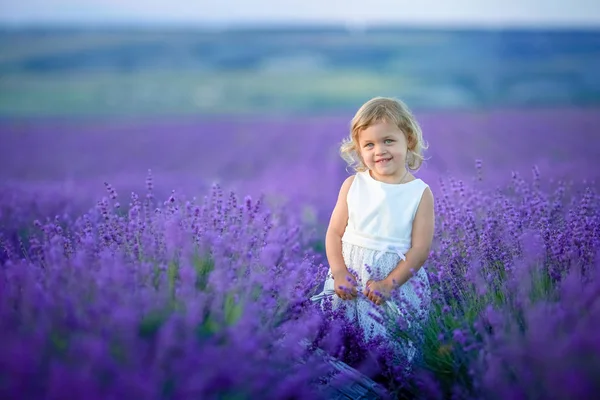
{"points": [[335, 231], [422, 237]]}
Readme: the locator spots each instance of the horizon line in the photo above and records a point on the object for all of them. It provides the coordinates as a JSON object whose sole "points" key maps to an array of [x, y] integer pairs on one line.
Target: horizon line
{"points": [[295, 24]]}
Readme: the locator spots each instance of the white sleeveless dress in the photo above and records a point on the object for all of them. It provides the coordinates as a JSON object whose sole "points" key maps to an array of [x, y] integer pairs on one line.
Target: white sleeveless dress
{"points": [[378, 234]]}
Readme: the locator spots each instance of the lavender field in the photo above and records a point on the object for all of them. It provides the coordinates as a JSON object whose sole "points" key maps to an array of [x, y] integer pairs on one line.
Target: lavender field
{"points": [[112, 294], [164, 198], [289, 160]]}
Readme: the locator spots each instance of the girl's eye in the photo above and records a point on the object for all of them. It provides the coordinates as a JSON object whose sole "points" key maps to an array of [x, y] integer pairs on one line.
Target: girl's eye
{"points": [[368, 144], [388, 141]]}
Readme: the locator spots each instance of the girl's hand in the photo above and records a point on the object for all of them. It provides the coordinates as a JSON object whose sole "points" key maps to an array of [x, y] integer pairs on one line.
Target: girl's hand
{"points": [[377, 291], [345, 285]]}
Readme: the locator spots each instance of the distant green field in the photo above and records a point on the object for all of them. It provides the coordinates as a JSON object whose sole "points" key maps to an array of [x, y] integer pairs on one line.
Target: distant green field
{"points": [[190, 92], [123, 73]]}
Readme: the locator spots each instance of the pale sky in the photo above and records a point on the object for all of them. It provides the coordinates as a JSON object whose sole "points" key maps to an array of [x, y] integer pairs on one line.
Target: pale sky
{"points": [[544, 13]]}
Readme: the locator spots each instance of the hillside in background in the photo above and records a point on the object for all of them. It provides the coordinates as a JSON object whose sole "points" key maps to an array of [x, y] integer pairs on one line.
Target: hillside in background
{"points": [[103, 72]]}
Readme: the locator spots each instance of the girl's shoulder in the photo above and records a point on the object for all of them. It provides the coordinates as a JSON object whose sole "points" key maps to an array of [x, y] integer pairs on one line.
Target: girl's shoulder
{"points": [[418, 186], [348, 182], [345, 187], [419, 182]]}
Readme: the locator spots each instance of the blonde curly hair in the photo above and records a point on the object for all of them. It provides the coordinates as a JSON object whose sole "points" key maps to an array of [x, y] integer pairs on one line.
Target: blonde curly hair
{"points": [[392, 111]]}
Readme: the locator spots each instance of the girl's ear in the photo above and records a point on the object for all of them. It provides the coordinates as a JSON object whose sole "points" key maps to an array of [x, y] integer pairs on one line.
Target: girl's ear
{"points": [[411, 142], [410, 157]]}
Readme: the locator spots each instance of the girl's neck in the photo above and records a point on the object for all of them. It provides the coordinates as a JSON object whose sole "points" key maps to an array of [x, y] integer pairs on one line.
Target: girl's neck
{"points": [[392, 180]]}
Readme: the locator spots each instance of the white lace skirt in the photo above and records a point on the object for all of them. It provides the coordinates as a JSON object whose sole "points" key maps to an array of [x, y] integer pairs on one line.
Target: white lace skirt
{"points": [[399, 319]]}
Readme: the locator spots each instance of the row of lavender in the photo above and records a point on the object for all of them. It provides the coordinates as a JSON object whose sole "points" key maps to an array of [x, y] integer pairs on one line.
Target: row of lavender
{"points": [[191, 298], [184, 299]]}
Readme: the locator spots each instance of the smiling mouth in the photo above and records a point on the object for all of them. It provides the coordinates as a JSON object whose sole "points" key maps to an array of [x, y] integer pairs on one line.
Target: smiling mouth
{"points": [[383, 161]]}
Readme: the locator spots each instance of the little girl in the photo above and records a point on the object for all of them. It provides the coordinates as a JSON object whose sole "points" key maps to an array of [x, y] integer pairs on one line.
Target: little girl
{"points": [[381, 228]]}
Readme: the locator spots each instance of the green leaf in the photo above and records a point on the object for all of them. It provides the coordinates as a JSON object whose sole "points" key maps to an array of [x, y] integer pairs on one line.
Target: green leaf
{"points": [[204, 266], [233, 310], [151, 323]]}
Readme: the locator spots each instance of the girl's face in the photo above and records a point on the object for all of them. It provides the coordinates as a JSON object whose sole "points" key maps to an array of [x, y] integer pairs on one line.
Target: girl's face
{"points": [[383, 148]]}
